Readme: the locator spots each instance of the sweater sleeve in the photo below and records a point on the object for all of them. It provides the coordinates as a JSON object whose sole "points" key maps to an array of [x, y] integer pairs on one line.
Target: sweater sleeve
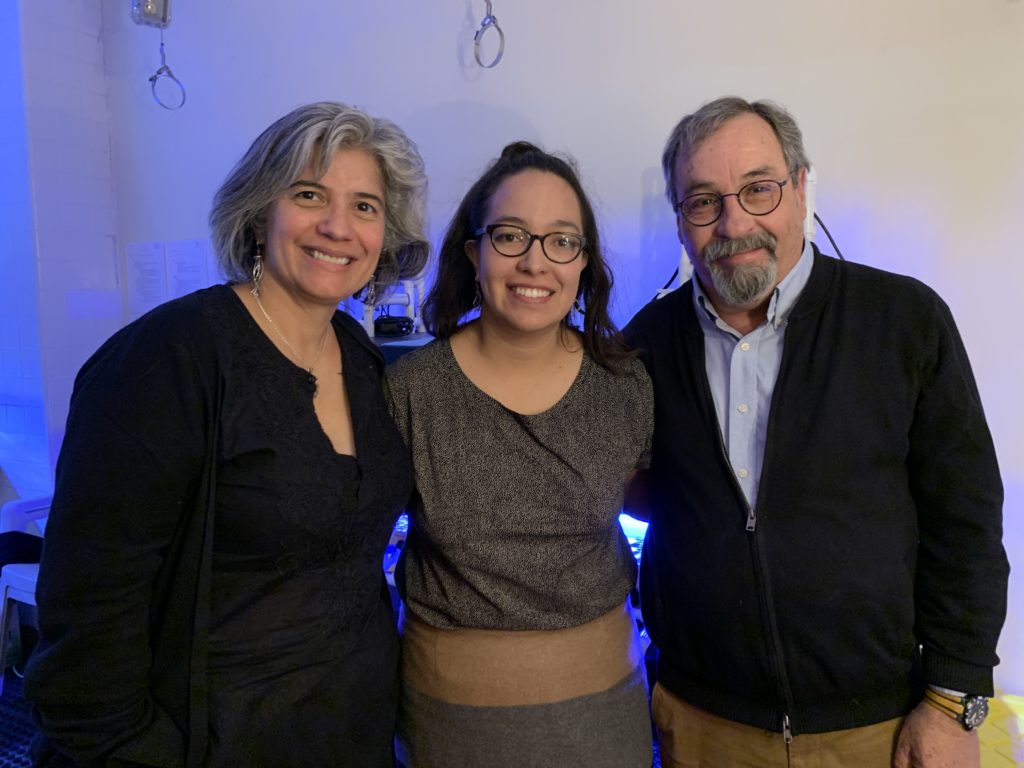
{"points": [[397, 396], [962, 569], [127, 477]]}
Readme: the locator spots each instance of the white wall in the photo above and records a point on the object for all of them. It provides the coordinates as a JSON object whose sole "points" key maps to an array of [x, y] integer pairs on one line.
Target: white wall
{"points": [[60, 288], [23, 454], [72, 193], [911, 111]]}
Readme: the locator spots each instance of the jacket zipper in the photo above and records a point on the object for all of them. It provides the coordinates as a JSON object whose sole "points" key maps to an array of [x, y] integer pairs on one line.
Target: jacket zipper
{"points": [[751, 527], [751, 517], [761, 567]]}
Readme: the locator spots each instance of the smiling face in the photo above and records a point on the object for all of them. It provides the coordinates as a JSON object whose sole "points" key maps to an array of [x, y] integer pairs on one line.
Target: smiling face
{"points": [[324, 235], [741, 257], [528, 293]]}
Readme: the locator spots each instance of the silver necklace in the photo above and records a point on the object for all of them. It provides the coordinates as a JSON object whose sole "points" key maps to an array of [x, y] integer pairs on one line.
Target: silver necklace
{"points": [[295, 354]]}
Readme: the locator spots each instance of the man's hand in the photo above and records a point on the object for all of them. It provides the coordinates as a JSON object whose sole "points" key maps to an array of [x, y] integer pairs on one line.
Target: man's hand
{"points": [[931, 739]]}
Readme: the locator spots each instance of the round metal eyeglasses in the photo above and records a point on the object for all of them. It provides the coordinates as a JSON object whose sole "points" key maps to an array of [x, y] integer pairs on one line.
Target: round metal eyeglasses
{"points": [[758, 198], [509, 240]]}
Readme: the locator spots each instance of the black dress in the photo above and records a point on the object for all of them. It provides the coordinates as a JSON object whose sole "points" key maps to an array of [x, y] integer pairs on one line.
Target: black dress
{"points": [[293, 627]]}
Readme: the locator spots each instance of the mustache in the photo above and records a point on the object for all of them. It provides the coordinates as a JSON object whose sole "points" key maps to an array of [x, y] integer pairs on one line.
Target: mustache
{"points": [[721, 247]]}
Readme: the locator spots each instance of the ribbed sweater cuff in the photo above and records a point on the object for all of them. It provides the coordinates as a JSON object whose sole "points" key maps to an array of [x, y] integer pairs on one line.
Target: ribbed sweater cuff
{"points": [[958, 675]]}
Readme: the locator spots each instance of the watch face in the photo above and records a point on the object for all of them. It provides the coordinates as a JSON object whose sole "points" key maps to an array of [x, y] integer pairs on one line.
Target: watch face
{"points": [[975, 711]]}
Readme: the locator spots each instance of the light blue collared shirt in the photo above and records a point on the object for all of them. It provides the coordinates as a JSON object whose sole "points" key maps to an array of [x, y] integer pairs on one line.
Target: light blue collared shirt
{"points": [[742, 371]]}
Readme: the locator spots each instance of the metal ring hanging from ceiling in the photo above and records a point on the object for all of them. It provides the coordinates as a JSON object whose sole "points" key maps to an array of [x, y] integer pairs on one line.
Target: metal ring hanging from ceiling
{"points": [[165, 71], [490, 20]]}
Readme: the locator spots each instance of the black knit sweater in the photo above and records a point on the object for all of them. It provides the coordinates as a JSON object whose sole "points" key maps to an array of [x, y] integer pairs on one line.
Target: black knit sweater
{"points": [[875, 563]]}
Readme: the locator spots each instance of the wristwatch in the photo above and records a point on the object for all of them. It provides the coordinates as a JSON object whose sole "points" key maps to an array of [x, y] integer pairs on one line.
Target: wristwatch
{"points": [[968, 710]]}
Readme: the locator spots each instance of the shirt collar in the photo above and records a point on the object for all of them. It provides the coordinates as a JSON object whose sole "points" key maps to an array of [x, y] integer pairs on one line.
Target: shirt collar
{"points": [[783, 299]]}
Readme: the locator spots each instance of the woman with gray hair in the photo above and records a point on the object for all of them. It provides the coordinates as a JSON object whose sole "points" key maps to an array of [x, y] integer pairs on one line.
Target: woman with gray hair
{"points": [[211, 591]]}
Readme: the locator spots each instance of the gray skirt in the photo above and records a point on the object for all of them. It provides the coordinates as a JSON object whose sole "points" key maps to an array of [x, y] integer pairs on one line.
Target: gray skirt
{"points": [[559, 698]]}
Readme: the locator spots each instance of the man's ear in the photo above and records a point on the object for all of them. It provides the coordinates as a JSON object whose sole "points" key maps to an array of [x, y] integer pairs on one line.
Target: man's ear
{"points": [[680, 225], [800, 187]]}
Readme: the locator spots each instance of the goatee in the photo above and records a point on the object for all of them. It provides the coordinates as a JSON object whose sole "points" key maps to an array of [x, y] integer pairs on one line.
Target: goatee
{"points": [[744, 285]]}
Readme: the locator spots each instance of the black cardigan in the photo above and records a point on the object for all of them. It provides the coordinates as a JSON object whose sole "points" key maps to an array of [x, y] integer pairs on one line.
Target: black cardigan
{"points": [[878, 519], [119, 676]]}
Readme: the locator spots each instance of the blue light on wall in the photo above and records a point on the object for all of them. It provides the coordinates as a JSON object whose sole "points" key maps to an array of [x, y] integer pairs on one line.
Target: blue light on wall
{"points": [[23, 450]]}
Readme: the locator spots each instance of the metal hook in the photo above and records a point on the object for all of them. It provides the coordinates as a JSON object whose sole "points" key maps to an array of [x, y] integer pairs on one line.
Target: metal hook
{"points": [[165, 71], [490, 20]]}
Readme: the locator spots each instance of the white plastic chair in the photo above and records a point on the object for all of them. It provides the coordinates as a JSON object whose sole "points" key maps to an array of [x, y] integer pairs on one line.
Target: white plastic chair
{"points": [[18, 580], [17, 585]]}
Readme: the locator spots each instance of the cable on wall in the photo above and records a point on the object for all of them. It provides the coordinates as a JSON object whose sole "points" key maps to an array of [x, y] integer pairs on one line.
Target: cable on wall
{"points": [[490, 21]]}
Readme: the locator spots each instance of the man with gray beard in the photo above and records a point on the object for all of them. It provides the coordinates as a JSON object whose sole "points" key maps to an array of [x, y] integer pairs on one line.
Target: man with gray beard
{"points": [[823, 575]]}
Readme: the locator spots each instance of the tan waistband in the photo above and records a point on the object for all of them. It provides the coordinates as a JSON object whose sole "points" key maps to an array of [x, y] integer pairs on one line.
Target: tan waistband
{"points": [[484, 667]]}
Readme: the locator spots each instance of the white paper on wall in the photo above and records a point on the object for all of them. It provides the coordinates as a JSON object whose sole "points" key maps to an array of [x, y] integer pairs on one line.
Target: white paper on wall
{"points": [[213, 271], [147, 277], [186, 266]]}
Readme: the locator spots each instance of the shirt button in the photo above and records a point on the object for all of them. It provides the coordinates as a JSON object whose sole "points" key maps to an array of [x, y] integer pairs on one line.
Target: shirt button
{"points": [[742, 472], [742, 408], [745, 346]]}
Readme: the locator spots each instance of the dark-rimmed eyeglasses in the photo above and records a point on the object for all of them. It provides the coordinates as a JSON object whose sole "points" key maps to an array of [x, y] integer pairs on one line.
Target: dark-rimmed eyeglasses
{"points": [[510, 240], [758, 198]]}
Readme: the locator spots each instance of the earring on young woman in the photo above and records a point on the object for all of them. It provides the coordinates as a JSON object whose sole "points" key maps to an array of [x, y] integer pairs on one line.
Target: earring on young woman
{"points": [[478, 298], [257, 270], [575, 317]]}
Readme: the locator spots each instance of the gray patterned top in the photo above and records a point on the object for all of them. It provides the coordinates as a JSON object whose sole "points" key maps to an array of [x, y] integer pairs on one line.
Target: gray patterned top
{"points": [[515, 523]]}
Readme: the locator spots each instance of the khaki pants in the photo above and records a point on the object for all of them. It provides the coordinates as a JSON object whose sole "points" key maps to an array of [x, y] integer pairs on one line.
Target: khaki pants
{"points": [[689, 737]]}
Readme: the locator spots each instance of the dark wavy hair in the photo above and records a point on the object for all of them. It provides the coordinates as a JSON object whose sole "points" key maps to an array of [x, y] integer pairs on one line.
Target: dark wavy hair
{"points": [[454, 290]]}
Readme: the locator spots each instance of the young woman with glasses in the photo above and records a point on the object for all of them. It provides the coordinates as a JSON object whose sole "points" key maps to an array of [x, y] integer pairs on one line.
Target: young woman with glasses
{"points": [[518, 643]]}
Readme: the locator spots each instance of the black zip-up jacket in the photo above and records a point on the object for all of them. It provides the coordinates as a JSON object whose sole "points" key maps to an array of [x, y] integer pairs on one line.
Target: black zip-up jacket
{"points": [[875, 560]]}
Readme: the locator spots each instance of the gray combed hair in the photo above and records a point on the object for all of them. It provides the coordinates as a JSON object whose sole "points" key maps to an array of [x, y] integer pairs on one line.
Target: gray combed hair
{"points": [[310, 135], [698, 126]]}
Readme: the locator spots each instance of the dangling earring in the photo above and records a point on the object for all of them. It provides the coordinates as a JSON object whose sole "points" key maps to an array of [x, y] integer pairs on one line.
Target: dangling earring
{"points": [[257, 270], [478, 299], [576, 311], [369, 293]]}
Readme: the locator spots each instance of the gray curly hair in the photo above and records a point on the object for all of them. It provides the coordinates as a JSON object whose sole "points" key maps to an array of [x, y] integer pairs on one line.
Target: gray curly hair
{"points": [[695, 128], [310, 135]]}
